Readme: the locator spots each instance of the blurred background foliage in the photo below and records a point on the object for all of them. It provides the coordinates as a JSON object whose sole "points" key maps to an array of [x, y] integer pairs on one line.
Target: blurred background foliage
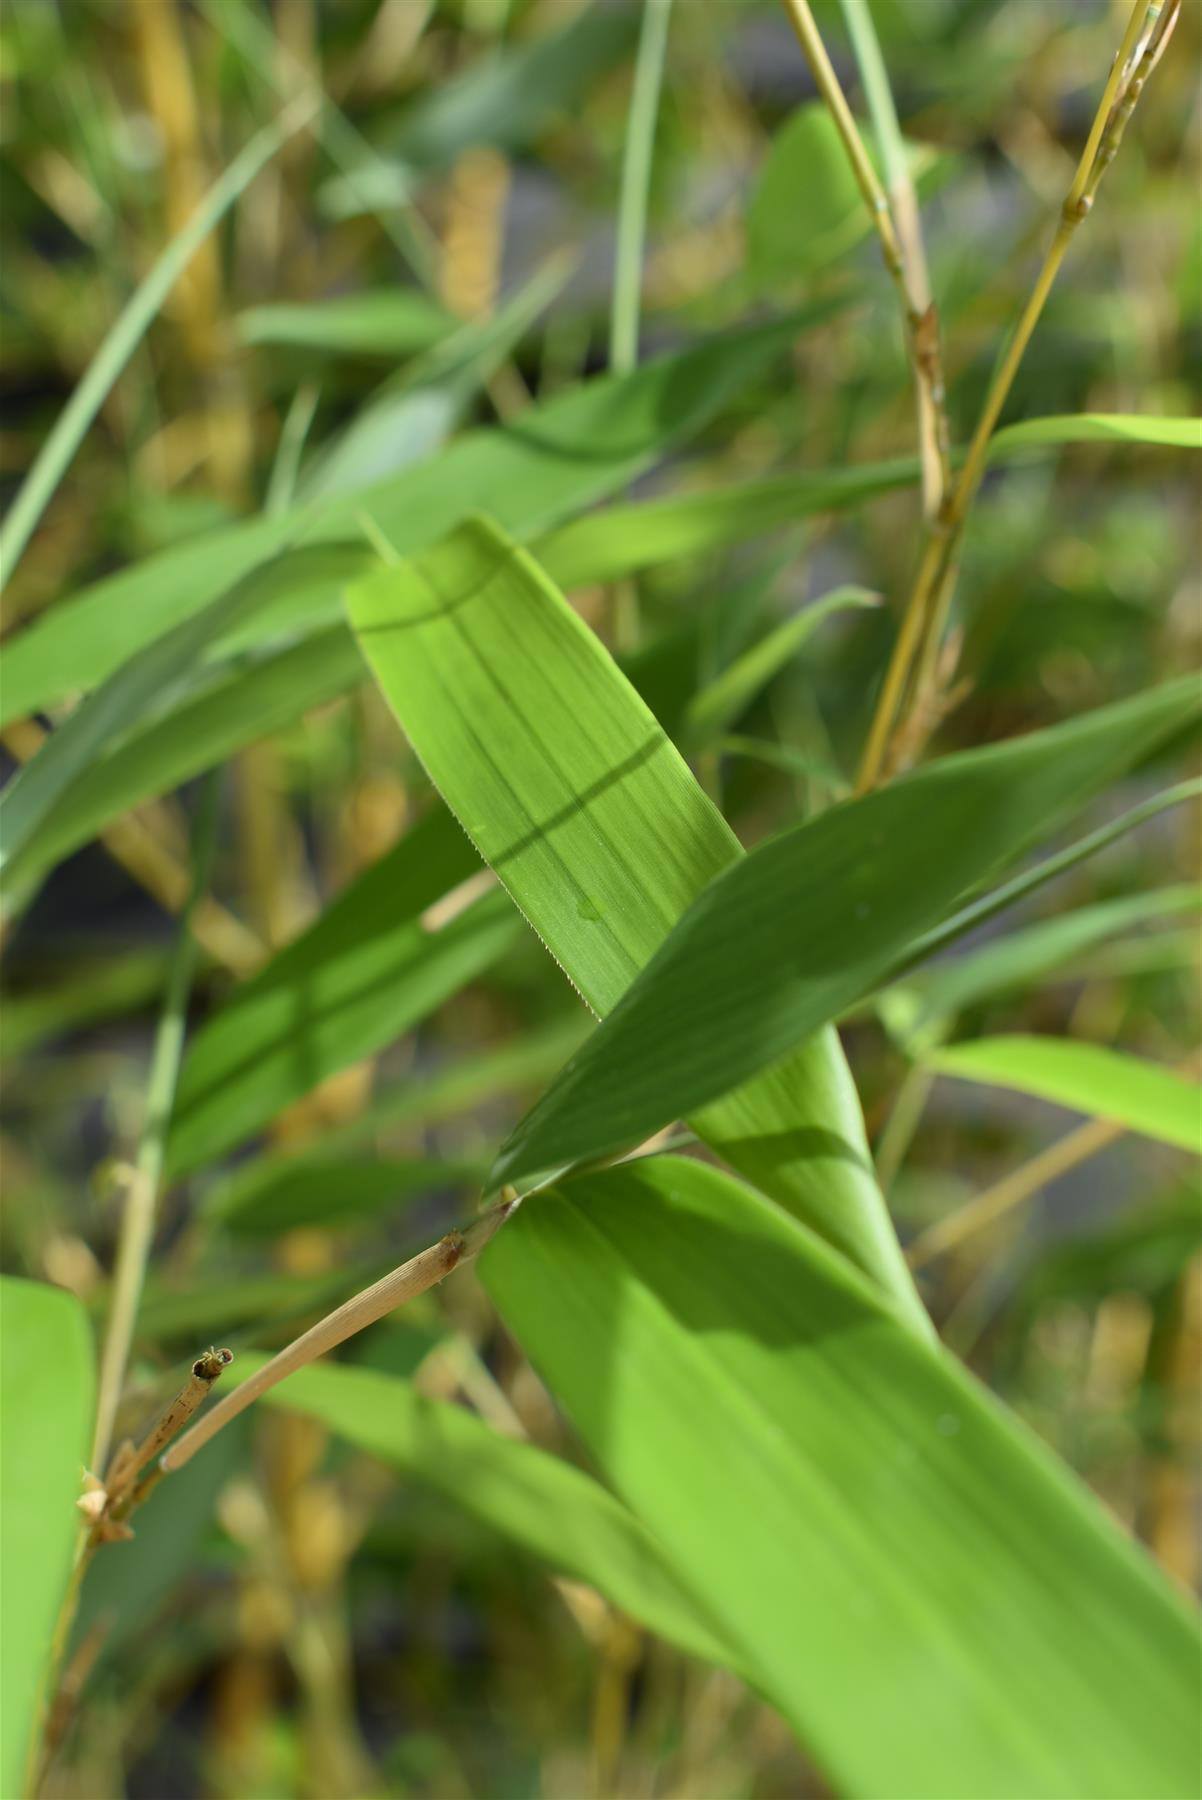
{"points": [[439, 252]]}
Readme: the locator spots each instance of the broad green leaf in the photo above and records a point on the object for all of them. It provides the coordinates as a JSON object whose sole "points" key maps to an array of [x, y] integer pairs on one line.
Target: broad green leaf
{"points": [[328, 1190], [1099, 428], [363, 974], [543, 1505], [720, 702], [816, 918], [550, 461], [1087, 1077], [806, 210], [46, 1390], [576, 798], [386, 322], [925, 1001], [936, 1605]]}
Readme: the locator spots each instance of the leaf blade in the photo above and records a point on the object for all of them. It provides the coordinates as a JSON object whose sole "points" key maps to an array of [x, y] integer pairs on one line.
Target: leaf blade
{"points": [[1090, 1078], [935, 1606]]}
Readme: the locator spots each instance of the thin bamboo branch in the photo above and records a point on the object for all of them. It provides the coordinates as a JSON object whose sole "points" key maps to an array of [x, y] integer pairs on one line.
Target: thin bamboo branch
{"points": [[916, 648], [137, 1223], [933, 435], [403, 1284], [910, 279], [1021, 1184]]}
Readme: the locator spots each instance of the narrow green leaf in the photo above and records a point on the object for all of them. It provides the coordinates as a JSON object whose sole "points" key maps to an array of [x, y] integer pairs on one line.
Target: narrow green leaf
{"points": [[1099, 428], [363, 974], [935, 1605], [243, 704], [1021, 958], [547, 463], [1087, 1077], [46, 1394], [69, 789], [538, 1502], [387, 322], [576, 798], [60, 446], [816, 918], [328, 1190], [260, 1186], [507, 99], [720, 702], [621, 540]]}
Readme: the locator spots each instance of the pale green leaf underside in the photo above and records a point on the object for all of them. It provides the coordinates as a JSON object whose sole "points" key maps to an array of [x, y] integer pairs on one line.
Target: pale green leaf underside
{"points": [[46, 1400], [1088, 1077], [933, 1603], [573, 794]]}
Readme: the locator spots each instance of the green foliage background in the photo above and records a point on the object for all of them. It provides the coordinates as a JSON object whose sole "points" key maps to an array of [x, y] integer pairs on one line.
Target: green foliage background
{"points": [[737, 1527]]}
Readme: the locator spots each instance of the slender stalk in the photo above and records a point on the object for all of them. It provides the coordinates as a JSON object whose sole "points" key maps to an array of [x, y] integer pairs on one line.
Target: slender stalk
{"points": [[281, 485], [137, 1224], [933, 437], [69, 428], [1021, 1184], [910, 279], [915, 651], [635, 185], [405, 1283]]}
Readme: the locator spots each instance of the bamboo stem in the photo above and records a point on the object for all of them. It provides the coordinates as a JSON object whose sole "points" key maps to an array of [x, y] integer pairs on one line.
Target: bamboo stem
{"points": [[904, 259], [1021, 1184], [915, 650], [403, 1284], [137, 1223]]}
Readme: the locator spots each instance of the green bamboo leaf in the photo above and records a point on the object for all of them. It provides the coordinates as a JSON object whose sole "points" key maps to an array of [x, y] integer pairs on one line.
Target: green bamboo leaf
{"points": [[387, 322], [97, 763], [1087, 1077], [363, 974], [720, 702], [621, 540], [60, 446], [933, 1602], [577, 799], [816, 918], [329, 1190], [551, 461], [537, 1502], [1098, 428], [924, 1001], [806, 210], [46, 1386], [244, 703], [507, 99]]}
